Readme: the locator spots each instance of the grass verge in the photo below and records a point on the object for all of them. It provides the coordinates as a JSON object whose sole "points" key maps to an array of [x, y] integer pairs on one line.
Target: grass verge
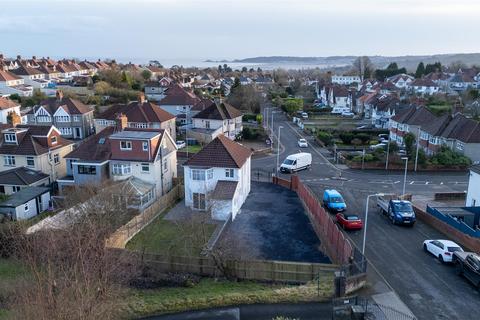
{"points": [[210, 293]]}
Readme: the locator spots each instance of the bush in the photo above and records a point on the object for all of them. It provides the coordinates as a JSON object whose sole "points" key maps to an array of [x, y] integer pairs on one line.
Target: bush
{"points": [[346, 137], [448, 157], [325, 137], [259, 118], [368, 157], [356, 142], [249, 134], [249, 116], [364, 137]]}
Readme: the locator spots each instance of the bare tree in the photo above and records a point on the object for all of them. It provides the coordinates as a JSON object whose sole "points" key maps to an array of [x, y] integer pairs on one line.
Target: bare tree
{"points": [[363, 67], [72, 275]]}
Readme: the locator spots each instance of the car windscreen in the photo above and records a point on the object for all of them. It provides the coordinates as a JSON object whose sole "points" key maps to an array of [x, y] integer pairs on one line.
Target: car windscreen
{"points": [[353, 218], [336, 199], [453, 249], [402, 207], [288, 161]]}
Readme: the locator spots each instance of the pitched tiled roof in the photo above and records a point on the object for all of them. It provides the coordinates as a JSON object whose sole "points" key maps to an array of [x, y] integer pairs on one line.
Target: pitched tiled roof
{"points": [[425, 82], [94, 148], [178, 96], [8, 76], [202, 104], [7, 103], [26, 71], [463, 129], [71, 106], [21, 176], [32, 142], [224, 190], [217, 111], [222, 153], [436, 126], [137, 112]]}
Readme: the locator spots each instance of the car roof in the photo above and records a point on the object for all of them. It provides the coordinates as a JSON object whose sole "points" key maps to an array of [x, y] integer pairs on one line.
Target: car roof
{"points": [[302, 139], [332, 192], [447, 242], [350, 215]]}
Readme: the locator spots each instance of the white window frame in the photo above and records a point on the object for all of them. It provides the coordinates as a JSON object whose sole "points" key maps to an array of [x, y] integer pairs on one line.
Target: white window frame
{"points": [[9, 161], [26, 208], [121, 169], [53, 139], [460, 145], [145, 146], [30, 158], [210, 174], [76, 118], [197, 175], [127, 145], [229, 173], [10, 137], [56, 158]]}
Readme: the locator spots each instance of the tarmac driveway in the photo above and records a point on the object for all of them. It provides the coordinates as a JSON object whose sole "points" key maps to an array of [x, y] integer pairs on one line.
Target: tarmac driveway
{"points": [[273, 225]]}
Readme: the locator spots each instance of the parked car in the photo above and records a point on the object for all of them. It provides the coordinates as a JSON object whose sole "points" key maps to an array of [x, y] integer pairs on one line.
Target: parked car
{"points": [[340, 110], [398, 211], [333, 201], [349, 221], [296, 162], [304, 115], [378, 146], [302, 143], [348, 114], [467, 264], [365, 127], [402, 152], [441, 249], [180, 144]]}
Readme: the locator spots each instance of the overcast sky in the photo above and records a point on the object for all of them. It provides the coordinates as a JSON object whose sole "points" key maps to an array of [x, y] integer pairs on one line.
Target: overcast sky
{"points": [[201, 29]]}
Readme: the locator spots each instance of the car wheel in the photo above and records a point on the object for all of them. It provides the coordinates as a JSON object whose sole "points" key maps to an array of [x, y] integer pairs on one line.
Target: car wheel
{"points": [[440, 257], [393, 220], [425, 248]]}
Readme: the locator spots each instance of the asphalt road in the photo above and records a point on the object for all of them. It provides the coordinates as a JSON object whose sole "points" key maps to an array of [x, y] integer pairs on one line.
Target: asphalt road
{"points": [[431, 290]]}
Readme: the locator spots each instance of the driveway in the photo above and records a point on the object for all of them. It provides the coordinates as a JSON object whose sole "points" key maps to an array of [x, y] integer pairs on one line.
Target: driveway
{"points": [[272, 225]]}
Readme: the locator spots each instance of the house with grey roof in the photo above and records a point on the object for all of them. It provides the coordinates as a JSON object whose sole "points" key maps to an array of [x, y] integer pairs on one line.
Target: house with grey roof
{"points": [[216, 119], [71, 117], [217, 178], [26, 203], [16, 179]]}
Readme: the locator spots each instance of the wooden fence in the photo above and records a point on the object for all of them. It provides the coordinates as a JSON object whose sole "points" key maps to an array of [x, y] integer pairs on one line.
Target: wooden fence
{"points": [[120, 237], [261, 270]]}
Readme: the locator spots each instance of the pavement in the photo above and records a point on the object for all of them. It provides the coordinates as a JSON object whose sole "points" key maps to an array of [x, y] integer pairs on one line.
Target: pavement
{"points": [[273, 225], [304, 311], [397, 264]]}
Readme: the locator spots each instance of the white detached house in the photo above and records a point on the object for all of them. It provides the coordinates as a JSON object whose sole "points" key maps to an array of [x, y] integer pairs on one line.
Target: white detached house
{"points": [[218, 178]]}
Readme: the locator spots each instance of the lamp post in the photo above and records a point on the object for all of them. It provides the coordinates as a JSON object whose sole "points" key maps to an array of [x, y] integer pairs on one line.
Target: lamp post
{"points": [[272, 123], [366, 220], [278, 147], [388, 153], [416, 152], [405, 175]]}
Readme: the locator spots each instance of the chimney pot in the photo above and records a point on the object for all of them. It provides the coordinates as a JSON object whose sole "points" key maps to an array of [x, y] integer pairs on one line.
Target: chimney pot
{"points": [[34, 57], [122, 122], [141, 98], [19, 57], [59, 95]]}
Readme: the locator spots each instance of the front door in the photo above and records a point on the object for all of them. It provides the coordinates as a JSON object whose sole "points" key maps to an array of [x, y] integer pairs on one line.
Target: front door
{"points": [[199, 201], [77, 134]]}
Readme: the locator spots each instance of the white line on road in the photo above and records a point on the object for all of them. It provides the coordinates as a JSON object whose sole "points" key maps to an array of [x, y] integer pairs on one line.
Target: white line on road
{"points": [[427, 182], [412, 182]]}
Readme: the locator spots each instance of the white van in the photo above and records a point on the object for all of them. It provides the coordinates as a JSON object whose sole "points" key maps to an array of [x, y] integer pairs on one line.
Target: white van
{"points": [[340, 110], [296, 162]]}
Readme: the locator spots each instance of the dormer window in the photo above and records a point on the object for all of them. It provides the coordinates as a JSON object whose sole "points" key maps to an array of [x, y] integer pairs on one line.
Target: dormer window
{"points": [[145, 146], [10, 137], [125, 145], [53, 140]]}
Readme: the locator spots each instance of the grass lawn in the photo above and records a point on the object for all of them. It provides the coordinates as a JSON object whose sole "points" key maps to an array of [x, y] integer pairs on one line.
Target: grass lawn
{"points": [[439, 109], [192, 148], [172, 237], [10, 272], [210, 293]]}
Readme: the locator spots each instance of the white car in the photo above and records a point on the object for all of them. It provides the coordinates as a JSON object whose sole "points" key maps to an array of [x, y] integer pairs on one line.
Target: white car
{"points": [[377, 146], [347, 114], [442, 249], [302, 143], [180, 144], [304, 115]]}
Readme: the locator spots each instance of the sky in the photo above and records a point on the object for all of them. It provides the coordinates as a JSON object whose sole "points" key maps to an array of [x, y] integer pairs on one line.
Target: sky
{"points": [[229, 29]]}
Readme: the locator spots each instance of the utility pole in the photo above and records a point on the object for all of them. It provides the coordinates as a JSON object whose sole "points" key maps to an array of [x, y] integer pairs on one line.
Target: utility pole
{"points": [[418, 144], [388, 153]]}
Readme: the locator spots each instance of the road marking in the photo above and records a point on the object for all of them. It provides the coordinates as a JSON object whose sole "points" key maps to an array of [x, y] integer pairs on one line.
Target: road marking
{"points": [[441, 183], [412, 182], [398, 181], [427, 182]]}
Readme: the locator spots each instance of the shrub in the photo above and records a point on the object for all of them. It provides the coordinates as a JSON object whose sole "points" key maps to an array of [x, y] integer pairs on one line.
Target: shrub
{"points": [[364, 137], [325, 137], [346, 137], [448, 157], [249, 134], [259, 118], [356, 142], [368, 157]]}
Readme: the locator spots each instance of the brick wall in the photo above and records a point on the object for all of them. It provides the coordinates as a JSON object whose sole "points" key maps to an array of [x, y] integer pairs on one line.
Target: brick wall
{"points": [[458, 236]]}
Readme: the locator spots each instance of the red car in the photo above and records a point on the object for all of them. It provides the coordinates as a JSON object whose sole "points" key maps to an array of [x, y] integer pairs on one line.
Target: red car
{"points": [[349, 221]]}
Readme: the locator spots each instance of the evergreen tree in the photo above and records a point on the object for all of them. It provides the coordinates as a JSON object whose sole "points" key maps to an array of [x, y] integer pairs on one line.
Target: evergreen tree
{"points": [[420, 70]]}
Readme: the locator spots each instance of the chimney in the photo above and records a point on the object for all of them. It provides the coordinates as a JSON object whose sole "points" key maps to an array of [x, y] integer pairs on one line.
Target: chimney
{"points": [[122, 121], [14, 118], [19, 57], [59, 95], [1, 56], [141, 98], [34, 57]]}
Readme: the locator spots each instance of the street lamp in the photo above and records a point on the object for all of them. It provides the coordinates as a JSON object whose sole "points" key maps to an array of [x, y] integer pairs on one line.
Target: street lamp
{"points": [[366, 220], [416, 152], [405, 175], [388, 153], [272, 122], [278, 146]]}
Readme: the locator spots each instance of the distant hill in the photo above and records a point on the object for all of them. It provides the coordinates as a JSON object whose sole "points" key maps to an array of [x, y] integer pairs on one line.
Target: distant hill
{"points": [[409, 62]]}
